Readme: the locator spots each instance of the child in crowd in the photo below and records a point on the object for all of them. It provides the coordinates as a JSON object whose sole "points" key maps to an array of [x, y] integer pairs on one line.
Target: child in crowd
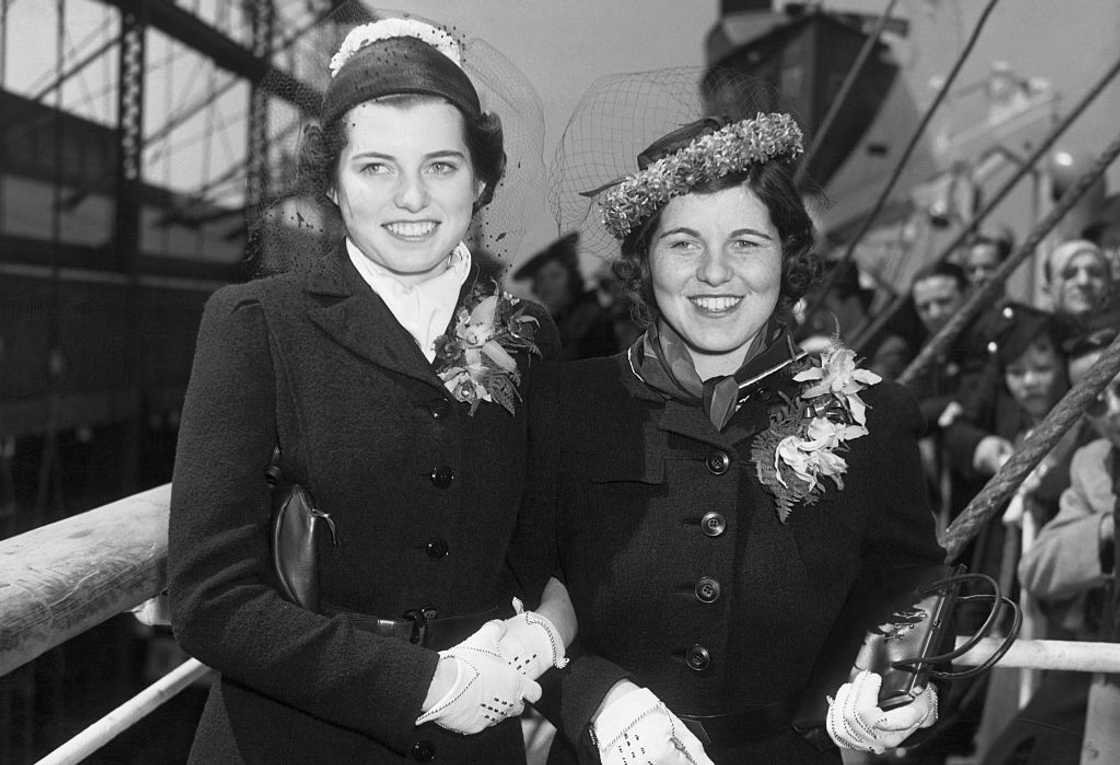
{"points": [[1070, 570]]}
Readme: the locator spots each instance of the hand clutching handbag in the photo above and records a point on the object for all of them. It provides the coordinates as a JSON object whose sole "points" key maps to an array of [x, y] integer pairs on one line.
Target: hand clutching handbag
{"points": [[916, 643], [912, 646]]}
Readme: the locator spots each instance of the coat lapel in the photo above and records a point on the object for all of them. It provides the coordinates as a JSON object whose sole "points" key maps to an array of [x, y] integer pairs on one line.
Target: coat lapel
{"points": [[358, 319]]}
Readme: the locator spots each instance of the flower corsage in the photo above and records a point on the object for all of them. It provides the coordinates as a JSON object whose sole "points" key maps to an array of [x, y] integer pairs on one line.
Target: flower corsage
{"points": [[808, 433], [475, 360]]}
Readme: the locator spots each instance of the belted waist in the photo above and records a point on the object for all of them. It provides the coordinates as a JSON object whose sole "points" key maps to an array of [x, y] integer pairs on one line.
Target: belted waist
{"points": [[423, 626], [750, 724]]}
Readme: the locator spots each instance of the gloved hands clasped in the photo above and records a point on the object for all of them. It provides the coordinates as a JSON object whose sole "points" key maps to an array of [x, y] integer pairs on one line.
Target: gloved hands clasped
{"points": [[532, 645], [485, 689], [495, 672], [855, 720], [637, 727]]}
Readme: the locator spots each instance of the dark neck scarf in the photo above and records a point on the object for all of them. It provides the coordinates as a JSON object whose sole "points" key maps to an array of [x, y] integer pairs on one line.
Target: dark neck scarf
{"points": [[661, 360]]}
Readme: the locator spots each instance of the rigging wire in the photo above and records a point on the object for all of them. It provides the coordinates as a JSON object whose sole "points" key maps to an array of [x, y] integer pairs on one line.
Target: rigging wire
{"points": [[884, 195], [865, 334], [842, 95], [40, 83], [986, 294]]}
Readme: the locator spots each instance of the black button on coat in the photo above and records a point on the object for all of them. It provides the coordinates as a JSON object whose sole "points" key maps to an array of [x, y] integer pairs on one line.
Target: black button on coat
{"points": [[318, 364], [628, 477]]}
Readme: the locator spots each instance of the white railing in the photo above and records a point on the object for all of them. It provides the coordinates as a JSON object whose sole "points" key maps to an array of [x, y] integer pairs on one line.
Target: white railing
{"points": [[59, 580]]}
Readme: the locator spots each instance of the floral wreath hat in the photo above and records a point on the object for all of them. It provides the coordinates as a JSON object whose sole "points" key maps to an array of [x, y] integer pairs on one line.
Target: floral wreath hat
{"points": [[732, 148]]}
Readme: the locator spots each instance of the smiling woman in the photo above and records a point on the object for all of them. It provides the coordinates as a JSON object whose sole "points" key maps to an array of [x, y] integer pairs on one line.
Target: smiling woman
{"points": [[719, 492], [390, 381], [406, 185], [716, 271]]}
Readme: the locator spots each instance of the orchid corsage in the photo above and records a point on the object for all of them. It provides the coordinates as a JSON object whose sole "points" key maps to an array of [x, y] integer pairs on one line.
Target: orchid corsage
{"points": [[475, 360], [809, 433]]}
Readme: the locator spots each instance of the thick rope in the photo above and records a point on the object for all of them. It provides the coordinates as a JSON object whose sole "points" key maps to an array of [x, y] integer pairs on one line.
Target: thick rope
{"points": [[1035, 447], [864, 334], [988, 294]]}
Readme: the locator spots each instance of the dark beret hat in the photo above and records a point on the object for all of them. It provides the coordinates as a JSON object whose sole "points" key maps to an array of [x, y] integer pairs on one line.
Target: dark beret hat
{"points": [[395, 66]]}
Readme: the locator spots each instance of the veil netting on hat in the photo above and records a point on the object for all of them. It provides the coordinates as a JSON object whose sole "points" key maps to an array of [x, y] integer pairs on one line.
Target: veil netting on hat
{"points": [[619, 116], [292, 227]]}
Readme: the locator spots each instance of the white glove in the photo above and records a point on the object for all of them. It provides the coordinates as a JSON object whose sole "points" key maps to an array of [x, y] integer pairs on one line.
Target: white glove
{"points": [[486, 689], [856, 722], [532, 645], [638, 729]]}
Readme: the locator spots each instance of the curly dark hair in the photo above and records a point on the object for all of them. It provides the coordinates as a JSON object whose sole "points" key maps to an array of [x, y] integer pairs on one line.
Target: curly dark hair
{"points": [[773, 183], [321, 146]]}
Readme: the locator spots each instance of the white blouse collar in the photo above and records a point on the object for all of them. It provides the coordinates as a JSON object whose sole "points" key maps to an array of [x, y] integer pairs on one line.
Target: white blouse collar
{"points": [[424, 309]]}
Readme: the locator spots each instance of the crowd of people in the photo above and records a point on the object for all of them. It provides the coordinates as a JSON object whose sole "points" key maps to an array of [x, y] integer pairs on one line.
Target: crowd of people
{"points": [[980, 399], [701, 515]]}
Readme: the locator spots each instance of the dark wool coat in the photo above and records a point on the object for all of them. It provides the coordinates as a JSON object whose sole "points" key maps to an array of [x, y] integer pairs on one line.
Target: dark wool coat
{"points": [[683, 578], [425, 500]]}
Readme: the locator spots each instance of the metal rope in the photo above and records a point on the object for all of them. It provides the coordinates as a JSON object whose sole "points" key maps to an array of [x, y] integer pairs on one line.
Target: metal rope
{"points": [[989, 292], [901, 164], [842, 96], [864, 334]]}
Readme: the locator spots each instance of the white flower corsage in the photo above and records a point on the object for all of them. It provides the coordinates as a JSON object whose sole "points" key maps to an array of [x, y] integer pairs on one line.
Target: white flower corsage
{"points": [[475, 361], [386, 29], [807, 434]]}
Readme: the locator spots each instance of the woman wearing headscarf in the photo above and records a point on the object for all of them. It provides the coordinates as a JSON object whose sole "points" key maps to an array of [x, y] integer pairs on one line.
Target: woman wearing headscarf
{"points": [[1079, 279], [721, 494], [391, 379]]}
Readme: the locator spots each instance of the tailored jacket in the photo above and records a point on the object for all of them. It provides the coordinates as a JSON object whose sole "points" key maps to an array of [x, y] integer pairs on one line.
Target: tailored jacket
{"points": [[682, 576], [424, 497]]}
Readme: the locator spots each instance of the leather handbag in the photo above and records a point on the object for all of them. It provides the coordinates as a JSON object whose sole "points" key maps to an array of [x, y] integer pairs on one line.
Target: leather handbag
{"points": [[911, 644], [295, 527], [916, 644]]}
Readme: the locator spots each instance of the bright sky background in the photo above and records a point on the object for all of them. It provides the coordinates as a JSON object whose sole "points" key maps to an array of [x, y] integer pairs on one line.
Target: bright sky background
{"points": [[561, 46]]}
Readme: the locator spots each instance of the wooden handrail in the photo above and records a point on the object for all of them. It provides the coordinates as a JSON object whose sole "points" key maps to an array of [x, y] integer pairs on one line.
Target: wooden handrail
{"points": [[59, 580]]}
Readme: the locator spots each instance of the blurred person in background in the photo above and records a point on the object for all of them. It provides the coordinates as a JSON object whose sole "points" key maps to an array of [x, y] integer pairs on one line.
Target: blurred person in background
{"points": [[1078, 280], [1031, 373], [938, 293], [984, 254], [1105, 232], [586, 329], [1070, 569], [844, 307]]}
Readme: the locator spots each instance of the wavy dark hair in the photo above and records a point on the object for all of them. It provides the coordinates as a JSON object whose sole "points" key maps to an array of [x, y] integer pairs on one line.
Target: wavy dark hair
{"points": [[772, 182], [321, 146]]}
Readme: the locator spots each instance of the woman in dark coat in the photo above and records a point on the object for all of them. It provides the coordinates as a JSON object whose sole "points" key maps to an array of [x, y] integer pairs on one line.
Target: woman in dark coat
{"points": [[709, 529], [391, 379]]}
